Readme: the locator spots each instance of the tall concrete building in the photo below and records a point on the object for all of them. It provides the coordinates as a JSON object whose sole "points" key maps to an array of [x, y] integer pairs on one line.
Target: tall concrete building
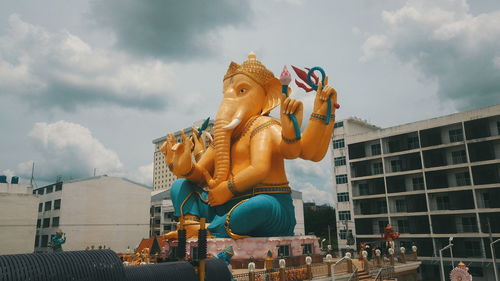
{"points": [[430, 180], [162, 177], [98, 211], [162, 214], [18, 211]]}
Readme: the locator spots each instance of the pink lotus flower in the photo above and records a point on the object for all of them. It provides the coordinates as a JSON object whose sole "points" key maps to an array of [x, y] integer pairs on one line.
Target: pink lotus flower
{"points": [[285, 76]]}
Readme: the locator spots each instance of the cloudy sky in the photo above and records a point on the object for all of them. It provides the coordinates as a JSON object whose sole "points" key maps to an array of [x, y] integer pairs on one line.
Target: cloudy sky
{"points": [[89, 84]]}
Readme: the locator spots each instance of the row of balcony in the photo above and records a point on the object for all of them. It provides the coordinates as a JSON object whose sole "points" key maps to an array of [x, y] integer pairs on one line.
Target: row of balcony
{"points": [[439, 201], [434, 180], [441, 224], [453, 133]]}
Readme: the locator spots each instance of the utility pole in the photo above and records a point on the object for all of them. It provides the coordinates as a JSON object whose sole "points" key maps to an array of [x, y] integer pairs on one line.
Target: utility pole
{"points": [[329, 236], [94, 171]]}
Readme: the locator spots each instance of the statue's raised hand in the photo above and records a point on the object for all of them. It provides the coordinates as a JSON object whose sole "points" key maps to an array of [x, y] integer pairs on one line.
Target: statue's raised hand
{"points": [[322, 95], [290, 106], [178, 155]]}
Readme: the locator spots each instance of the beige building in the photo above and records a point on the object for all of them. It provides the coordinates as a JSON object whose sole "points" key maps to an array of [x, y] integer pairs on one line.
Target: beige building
{"points": [[18, 211], [430, 180], [98, 211], [162, 177]]}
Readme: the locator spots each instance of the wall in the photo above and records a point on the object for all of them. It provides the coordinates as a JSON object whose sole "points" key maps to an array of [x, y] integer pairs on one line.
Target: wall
{"points": [[106, 211], [18, 214]]}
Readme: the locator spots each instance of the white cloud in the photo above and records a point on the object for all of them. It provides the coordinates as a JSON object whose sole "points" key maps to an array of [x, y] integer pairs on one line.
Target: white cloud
{"points": [[61, 70], [143, 174], [496, 62], [311, 193], [446, 43], [68, 150]]}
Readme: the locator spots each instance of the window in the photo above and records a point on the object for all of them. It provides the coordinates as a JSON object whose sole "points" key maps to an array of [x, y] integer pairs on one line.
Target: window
{"points": [[339, 161], [364, 189], [343, 196], [34, 191], [157, 221], [472, 248], [456, 135], [157, 209], [40, 191], [401, 206], [443, 203], [376, 149], [38, 223], [469, 224], [344, 215], [338, 124], [340, 179], [396, 165], [338, 143], [413, 142], [403, 226], [48, 206], [486, 200], [46, 222], [55, 221], [418, 183], [462, 178], [377, 168], [167, 227], [45, 240], [307, 249], [40, 207], [57, 204], [498, 127], [458, 157], [37, 240], [344, 233], [58, 186], [49, 189], [283, 250]]}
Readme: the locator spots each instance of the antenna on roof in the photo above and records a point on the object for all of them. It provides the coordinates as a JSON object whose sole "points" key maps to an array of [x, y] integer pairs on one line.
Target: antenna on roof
{"points": [[94, 171], [32, 172]]}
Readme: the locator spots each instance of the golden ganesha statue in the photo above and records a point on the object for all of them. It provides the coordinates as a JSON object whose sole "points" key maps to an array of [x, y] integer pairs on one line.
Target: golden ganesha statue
{"points": [[239, 183]]}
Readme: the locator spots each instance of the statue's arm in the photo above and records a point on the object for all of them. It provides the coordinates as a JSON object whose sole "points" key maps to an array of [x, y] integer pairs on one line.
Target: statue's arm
{"points": [[203, 168]]}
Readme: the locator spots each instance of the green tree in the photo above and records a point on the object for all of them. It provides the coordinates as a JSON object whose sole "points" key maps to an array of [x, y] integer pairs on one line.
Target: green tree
{"points": [[317, 219]]}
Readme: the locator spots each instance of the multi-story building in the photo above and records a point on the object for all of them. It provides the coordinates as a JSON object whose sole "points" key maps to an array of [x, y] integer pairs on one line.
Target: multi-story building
{"points": [[162, 214], [162, 177], [96, 212], [430, 180], [18, 210]]}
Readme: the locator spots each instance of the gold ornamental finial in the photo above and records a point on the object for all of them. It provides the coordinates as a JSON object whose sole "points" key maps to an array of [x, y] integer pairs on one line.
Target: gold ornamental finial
{"points": [[252, 56]]}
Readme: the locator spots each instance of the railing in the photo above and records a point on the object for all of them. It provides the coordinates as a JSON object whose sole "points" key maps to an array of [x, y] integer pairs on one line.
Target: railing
{"points": [[354, 276], [385, 273]]}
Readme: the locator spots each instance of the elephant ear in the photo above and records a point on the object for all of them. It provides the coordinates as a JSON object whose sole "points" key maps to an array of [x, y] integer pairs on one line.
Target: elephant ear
{"points": [[273, 95]]}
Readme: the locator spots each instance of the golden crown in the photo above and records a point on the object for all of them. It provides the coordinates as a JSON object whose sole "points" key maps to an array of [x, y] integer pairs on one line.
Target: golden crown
{"points": [[251, 68]]}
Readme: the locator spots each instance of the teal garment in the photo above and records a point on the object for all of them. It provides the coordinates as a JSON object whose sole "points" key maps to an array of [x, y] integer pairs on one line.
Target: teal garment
{"points": [[262, 215]]}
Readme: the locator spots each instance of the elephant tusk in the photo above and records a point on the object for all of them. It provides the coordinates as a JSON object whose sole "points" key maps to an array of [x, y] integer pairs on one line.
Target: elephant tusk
{"points": [[235, 122]]}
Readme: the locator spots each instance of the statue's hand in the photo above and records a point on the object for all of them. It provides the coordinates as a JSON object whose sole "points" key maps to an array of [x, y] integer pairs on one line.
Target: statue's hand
{"points": [[199, 145], [322, 95], [290, 106], [178, 155], [219, 194]]}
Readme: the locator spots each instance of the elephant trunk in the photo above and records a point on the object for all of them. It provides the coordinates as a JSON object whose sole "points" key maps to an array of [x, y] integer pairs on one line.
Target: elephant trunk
{"points": [[227, 119]]}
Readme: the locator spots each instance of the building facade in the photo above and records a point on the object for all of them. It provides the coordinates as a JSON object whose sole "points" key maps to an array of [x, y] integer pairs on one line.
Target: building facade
{"points": [[162, 214], [18, 212], [101, 211], [430, 180], [162, 177]]}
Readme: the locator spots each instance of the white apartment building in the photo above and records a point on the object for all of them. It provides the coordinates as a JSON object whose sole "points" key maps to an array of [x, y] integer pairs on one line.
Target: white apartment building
{"points": [[162, 177], [100, 211], [18, 211], [431, 180]]}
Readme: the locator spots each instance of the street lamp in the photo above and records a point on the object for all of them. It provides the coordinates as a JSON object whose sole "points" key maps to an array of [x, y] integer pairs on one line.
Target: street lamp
{"points": [[441, 259], [494, 259], [323, 241], [451, 253]]}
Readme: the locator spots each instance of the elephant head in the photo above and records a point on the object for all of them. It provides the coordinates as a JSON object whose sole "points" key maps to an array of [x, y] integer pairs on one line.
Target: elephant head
{"points": [[250, 89]]}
